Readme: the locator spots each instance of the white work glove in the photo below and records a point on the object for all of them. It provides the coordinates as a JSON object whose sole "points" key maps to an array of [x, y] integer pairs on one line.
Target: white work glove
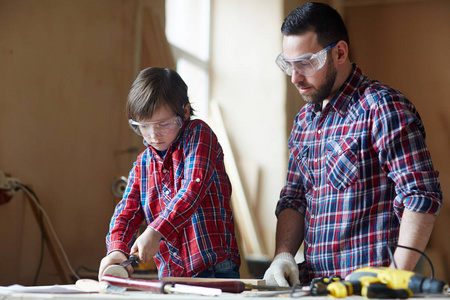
{"points": [[283, 266]]}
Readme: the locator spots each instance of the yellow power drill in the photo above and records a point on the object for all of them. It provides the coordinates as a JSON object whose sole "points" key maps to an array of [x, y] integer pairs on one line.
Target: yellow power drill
{"points": [[387, 283]]}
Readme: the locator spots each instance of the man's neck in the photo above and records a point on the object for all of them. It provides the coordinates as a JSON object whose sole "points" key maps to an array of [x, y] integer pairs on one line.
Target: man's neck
{"points": [[341, 77]]}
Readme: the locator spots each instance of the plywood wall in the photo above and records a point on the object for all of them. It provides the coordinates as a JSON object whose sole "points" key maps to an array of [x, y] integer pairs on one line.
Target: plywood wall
{"points": [[66, 68], [406, 46]]}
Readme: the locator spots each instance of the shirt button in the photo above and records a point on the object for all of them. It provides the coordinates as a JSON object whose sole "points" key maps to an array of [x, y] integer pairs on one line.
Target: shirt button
{"points": [[197, 180], [319, 131], [167, 192], [164, 171]]}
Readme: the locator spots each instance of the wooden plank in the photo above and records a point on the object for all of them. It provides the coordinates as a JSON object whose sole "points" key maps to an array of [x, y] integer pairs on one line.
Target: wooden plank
{"points": [[243, 216]]}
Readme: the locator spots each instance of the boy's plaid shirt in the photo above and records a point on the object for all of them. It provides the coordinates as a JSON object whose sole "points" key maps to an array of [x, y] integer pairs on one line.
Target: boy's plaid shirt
{"points": [[186, 198]]}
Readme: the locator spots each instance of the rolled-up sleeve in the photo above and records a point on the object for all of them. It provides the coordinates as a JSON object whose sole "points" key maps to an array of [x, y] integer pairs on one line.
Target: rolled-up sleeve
{"points": [[404, 156]]}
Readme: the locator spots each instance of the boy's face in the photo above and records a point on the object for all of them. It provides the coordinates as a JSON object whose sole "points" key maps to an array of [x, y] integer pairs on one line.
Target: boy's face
{"points": [[162, 128]]}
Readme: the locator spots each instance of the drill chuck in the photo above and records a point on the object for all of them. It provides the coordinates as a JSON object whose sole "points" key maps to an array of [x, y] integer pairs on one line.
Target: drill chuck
{"points": [[419, 284]]}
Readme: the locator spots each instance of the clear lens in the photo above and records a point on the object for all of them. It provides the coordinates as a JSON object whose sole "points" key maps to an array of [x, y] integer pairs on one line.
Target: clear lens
{"points": [[158, 128], [307, 64], [302, 66]]}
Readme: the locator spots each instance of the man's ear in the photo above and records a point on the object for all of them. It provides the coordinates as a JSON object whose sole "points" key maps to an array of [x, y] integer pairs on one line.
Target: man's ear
{"points": [[187, 111], [342, 52]]}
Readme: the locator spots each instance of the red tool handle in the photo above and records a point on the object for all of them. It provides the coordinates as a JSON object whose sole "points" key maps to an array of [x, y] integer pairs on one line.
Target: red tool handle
{"points": [[158, 286], [142, 285]]}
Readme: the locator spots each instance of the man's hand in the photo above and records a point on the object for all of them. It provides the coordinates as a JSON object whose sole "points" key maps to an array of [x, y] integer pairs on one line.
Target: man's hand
{"points": [[283, 266], [147, 244], [112, 258]]}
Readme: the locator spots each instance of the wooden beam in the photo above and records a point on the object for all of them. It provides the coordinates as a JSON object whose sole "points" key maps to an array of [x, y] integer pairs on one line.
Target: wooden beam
{"points": [[241, 211]]}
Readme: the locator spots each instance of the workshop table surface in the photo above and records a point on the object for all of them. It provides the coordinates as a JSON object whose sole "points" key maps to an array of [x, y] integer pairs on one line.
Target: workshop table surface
{"points": [[128, 295]]}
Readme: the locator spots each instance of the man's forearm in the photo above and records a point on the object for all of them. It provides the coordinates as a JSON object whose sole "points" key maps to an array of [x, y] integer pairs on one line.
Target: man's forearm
{"points": [[415, 231], [290, 228]]}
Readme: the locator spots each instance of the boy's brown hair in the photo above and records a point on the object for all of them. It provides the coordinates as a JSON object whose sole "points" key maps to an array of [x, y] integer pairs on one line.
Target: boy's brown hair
{"points": [[154, 87]]}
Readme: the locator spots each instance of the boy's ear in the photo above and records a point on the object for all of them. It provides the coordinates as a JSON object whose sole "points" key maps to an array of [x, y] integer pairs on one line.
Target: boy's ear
{"points": [[187, 111]]}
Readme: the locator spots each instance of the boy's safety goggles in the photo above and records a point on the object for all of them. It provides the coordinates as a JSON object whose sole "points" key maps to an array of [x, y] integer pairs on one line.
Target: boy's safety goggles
{"points": [[307, 64], [158, 128]]}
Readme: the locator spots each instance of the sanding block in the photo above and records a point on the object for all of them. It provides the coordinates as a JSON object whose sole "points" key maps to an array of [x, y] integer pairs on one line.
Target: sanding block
{"points": [[120, 270]]}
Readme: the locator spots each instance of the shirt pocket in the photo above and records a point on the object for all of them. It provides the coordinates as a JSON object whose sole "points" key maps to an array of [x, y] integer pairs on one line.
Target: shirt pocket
{"points": [[342, 163], [300, 156]]}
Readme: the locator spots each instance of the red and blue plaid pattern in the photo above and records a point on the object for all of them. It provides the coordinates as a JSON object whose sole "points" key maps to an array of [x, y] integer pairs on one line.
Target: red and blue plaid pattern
{"points": [[354, 167], [186, 198]]}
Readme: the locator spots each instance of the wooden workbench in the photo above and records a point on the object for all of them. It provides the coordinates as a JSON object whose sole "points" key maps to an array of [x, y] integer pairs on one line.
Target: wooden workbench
{"points": [[145, 295], [131, 295]]}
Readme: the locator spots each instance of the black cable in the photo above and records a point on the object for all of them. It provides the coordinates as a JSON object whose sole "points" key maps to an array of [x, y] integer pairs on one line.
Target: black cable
{"points": [[413, 249], [391, 255], [41, 258], [297, 288], [41, 219], [86, 269]]}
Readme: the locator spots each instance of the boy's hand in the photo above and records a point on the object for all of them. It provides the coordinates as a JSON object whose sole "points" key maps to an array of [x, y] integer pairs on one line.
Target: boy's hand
{"points": [[147, 244], [115, 257]]}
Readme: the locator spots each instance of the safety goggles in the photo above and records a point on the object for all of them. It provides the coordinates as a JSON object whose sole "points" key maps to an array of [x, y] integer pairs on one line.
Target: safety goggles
{"points": [[158, 128], [307, 64]]}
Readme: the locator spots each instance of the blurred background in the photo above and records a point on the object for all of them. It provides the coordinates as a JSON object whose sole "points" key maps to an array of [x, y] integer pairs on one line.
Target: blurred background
{"points": [[65, 70]]}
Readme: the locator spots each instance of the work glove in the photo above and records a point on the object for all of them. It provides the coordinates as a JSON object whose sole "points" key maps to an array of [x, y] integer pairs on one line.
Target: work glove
{"points": [[283, 266]]}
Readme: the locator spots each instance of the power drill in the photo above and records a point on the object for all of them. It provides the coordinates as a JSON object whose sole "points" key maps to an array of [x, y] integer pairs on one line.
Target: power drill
{"points": [[387, 283]]}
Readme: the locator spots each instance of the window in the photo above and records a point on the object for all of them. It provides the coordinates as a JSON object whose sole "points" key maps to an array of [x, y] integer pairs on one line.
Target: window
{"points": [[187, 30]]}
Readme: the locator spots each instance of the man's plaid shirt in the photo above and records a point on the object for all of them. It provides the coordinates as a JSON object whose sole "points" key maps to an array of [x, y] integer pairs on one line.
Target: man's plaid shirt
{"points": [[354, 167]]}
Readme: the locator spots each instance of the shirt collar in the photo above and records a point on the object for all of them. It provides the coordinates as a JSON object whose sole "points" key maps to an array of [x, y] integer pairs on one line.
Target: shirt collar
{"points": [[342, 99]]}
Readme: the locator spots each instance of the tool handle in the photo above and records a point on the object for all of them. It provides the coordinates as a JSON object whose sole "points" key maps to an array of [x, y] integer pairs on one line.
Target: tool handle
{"points": [[342, 289], [158, 286], [382, 291], [154, 286], [132, 260]]}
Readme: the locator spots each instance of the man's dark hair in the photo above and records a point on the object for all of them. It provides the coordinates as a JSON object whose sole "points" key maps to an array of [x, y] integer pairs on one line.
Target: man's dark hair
{"points": [[318, 17]]}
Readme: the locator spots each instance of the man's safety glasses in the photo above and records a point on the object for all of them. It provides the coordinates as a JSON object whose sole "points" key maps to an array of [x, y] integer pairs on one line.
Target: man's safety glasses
{"points": [[158, 128], [307, 64]]}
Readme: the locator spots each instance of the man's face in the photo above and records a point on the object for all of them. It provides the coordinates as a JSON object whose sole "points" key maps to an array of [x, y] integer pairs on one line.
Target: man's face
{"points": [[318, 86]]}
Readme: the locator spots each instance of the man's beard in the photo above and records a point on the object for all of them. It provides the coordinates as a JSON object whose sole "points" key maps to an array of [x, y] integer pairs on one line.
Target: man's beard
{"points": [[323, 91]]}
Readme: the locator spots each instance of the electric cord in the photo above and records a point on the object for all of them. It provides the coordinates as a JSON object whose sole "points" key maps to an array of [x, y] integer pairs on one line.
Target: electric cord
{"points": [[33, 197], [389, 247], [90, 270], [41, 220]]}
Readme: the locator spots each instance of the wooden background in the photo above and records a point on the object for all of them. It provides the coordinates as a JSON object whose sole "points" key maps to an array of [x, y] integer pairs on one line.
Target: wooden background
{"points": [[66, 68]]}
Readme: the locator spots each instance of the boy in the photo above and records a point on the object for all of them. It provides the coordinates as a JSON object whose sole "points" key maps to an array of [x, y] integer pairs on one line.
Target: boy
{"points": [[178, 185]]}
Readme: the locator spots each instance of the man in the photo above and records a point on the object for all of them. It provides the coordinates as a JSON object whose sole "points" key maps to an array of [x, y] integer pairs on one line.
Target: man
{"points": [[360, 176]]}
